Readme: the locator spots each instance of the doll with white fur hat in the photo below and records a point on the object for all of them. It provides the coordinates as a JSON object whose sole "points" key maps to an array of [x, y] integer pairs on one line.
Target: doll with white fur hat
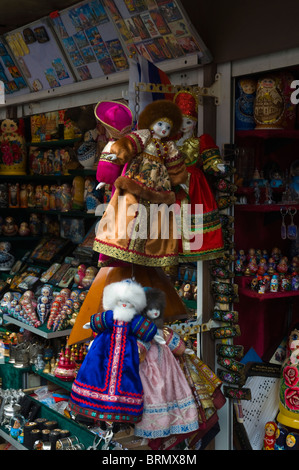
{"points": [[108, 385]]}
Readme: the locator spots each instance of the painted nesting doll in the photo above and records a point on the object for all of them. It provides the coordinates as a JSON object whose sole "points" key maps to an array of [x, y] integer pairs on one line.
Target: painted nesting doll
{"points": [[269, 103], [12, 148], [244, 104], [289, 384]]}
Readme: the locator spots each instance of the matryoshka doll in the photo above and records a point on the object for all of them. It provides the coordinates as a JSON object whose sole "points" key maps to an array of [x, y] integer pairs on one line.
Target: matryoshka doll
{"points": [[244, 104], [274, 283], [46, 198], [289, 391], [269, 103], [13, 195], [90, 274], [282, 266], [12, 148], [66, 197], [9, 227], [252, 266], [78, 193], [39, 196], [23, 196], [52, 198], [270, 435], [91, 195]]}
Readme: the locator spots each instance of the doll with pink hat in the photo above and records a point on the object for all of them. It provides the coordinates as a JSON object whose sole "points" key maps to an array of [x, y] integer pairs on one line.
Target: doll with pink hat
{"points": [[117, 119]]}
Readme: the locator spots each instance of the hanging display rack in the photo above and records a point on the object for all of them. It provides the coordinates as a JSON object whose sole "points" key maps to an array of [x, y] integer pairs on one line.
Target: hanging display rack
{"points": [[213, 91]]}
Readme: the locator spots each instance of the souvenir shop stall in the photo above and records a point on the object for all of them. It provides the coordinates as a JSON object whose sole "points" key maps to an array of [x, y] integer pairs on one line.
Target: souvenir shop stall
{"points": [[116, 216]]}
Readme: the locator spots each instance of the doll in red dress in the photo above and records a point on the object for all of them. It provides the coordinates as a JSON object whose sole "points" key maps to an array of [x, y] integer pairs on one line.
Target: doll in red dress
{"points": [[270, 435], [201, 156]]}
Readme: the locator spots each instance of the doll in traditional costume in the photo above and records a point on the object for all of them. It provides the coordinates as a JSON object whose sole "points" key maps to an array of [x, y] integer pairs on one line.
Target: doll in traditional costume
{"points": [[201, 156], [117, 119], [132, 229], [169, 406], [108, 385], [174, 380]]}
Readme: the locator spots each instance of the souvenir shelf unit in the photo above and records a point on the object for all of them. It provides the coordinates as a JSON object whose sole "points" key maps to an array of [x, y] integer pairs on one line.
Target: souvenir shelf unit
{"points": [[267, 208], [44, 188]]}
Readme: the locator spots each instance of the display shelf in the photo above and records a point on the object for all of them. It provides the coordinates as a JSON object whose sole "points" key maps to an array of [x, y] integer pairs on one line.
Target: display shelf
{"points": [[267, 295], [264, 207], [269, 133], [85, 436], [54, 143], [18, 239], [66, 385], [10, 439], [34, 178], [30, 210], [49, 177], [41, 331]]}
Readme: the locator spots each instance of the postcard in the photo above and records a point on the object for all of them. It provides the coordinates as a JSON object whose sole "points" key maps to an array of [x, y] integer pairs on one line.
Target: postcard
{"points": [[81, 39], [60, 69]]}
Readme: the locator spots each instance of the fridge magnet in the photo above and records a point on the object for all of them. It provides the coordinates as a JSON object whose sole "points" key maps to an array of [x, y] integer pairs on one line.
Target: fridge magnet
{"points": [[58, 24], [60, 69], [88, 55], [29, 36], [100, 51], [117, 54], [41, 34], [81, 39], [84, 73], [7, 61], [107, 66], [149, 24], [51, 77], [113, 10], [158, 19]]}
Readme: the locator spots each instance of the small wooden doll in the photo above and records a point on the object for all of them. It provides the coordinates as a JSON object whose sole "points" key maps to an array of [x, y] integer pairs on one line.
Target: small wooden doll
{"points": [[269, 438]]}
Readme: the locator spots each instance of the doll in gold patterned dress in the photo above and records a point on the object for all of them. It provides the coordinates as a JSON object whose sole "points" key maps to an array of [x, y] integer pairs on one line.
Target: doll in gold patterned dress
{"points": [[202, 157], [153, 165]]}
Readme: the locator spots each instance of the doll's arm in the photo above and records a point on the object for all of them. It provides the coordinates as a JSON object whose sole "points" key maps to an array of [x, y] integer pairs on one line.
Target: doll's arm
{"points": [[212, 161], [101, 321], [129, 146], [175, 165], [174, 342], [108, 170], [143, 328]]}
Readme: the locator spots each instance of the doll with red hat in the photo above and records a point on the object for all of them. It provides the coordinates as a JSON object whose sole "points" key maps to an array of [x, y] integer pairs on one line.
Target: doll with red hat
{"points": [[128, 230], [201, 156], [117, 119]]}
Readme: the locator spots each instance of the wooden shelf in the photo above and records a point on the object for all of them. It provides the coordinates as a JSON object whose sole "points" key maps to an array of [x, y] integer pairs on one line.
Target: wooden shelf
{"points": [[50, 177], [41, 331], [54, 143], [70, 213], [264, 207], [270, 133], [268, 295]]}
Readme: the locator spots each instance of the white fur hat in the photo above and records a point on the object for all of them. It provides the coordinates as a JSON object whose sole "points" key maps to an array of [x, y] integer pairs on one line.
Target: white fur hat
{"points": [[126, 290]]}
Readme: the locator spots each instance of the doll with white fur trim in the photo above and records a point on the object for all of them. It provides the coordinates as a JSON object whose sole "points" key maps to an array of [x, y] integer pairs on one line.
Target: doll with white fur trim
{"points": [[108, 385]]}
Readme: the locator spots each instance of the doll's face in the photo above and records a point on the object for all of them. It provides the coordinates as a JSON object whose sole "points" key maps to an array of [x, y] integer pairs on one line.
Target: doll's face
{"points": [[161, 129], [153, 313], [187, 124]]}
